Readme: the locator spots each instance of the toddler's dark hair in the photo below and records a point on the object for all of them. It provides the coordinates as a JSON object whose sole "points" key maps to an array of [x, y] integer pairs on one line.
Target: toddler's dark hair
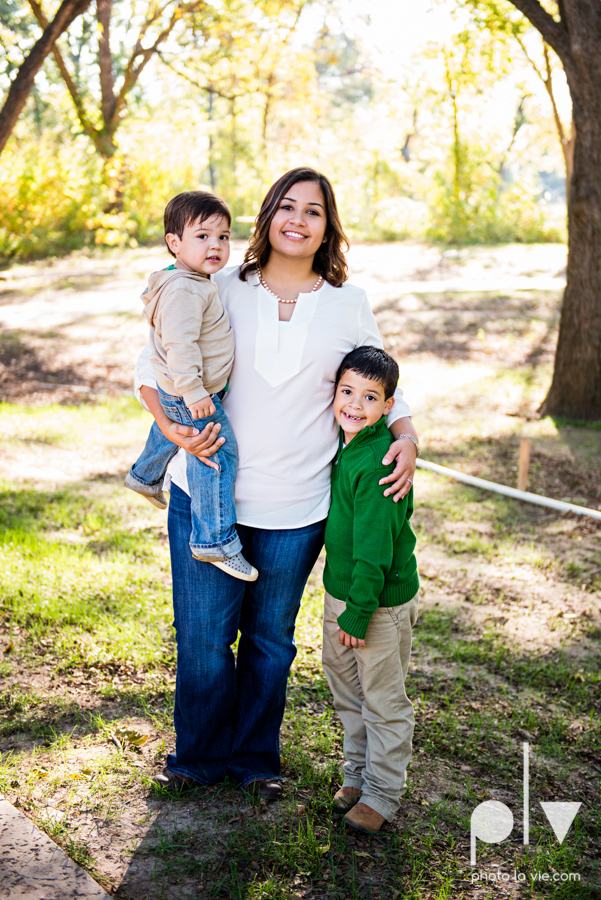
{"points": [[190, 206], [371, 362]]}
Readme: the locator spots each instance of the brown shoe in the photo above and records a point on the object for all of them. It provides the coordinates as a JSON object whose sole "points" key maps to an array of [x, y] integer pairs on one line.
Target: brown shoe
{"points": [[364, 818], [173, 781], [265, 788], [345, 798]]}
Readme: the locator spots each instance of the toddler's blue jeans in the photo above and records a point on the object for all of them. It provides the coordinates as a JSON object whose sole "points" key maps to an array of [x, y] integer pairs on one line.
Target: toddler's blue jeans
{"points": [[214, 536]]}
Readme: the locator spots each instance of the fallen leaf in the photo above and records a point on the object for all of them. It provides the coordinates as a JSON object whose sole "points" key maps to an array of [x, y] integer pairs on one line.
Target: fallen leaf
{"points": [[324, 848], [363, 853]]}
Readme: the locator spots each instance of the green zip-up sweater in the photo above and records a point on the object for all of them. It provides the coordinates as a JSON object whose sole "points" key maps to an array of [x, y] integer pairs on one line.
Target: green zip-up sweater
{"points": [[369, 540]]}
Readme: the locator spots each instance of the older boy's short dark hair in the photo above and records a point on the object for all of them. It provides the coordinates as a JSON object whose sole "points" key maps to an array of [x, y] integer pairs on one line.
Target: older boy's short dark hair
{"points": [[191, 206], [371, 362]]}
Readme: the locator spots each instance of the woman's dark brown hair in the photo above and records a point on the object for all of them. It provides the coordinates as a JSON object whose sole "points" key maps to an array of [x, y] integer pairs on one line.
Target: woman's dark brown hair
{"points": [[329, 260]]}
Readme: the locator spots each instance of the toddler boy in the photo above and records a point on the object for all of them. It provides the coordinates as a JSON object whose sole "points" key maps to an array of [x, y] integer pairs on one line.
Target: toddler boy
{"points": [[193, 353], [371, 600]]}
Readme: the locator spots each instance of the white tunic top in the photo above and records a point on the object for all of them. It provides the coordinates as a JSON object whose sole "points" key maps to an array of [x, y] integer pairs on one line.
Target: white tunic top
{"points": [[280, 396]]}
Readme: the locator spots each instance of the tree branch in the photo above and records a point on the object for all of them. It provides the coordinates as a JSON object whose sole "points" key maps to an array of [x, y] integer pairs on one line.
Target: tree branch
{"points": [[204, 87], [78, 102], [133, 71], [548, 82], [105, 59], [554, 33], [22, 84]]}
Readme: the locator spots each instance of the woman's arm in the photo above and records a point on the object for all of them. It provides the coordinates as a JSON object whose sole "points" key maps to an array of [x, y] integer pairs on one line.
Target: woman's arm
{"points": [[201, 444]]}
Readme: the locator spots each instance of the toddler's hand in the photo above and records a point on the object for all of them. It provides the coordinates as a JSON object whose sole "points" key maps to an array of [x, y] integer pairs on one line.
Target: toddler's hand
{"points": [[202, 408], [347, 640]]}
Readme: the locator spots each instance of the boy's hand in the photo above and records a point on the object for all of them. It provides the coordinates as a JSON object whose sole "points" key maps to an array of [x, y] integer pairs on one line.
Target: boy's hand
{"points": [[202, 408], [347, 640]]}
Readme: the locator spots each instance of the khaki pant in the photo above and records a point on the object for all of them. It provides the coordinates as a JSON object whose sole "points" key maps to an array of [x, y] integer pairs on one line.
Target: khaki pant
{"points": [[368, 685]]}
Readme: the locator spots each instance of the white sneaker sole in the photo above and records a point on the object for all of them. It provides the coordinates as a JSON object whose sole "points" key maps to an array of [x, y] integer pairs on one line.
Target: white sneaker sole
{"points": [[133, 486], [239, 575], [154, 500]]}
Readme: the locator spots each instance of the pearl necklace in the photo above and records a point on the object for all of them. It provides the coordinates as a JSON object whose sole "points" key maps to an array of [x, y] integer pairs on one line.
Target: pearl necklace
{"points": [[315, 287]]}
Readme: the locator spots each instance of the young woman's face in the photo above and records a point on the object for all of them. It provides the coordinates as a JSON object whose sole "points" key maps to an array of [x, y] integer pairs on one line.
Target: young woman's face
{"points": [[298, 228]]}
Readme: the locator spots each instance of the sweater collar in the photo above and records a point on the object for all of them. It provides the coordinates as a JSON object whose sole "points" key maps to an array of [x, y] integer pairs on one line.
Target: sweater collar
{"points": [[365, 435]]}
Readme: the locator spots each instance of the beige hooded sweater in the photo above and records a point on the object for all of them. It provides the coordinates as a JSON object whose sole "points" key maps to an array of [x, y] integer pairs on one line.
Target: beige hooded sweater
{"points": [[190, 333]]}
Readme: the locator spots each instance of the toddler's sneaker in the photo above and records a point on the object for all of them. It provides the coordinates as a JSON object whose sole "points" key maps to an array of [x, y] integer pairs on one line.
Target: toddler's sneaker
{"points": [[153, 492], [237, 567]]}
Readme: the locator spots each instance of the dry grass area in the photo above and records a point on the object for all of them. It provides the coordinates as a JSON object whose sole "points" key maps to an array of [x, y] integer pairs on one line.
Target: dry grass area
{"points": [[507, 649]]}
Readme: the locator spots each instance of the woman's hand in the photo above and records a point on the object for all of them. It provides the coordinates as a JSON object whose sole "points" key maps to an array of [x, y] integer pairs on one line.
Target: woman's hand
{"points": [[202, 444], [404, 452]]}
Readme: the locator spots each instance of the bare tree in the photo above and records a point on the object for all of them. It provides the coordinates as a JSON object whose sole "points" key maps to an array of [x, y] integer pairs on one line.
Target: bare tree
{"points": [[159, 22], [22, 83]]}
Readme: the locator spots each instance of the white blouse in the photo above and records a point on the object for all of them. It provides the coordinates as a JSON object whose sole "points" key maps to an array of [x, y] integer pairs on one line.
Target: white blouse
{"points": [[280, 396]]}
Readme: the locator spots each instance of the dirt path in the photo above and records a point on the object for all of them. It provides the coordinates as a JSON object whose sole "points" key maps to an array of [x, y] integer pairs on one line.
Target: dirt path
{"points": [[73, 326]]}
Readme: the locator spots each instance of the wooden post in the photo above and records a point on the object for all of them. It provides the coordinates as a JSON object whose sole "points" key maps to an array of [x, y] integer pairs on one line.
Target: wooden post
{"points": [[524, 464]]}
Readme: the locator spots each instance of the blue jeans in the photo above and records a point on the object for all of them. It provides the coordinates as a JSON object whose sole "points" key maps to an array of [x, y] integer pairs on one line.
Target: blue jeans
{"points": [[213, 535], [228, 710]]}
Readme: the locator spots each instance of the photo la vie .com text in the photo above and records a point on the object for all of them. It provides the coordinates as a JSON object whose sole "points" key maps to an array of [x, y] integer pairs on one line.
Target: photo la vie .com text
{"points": [[516, 877], [492, 822]]}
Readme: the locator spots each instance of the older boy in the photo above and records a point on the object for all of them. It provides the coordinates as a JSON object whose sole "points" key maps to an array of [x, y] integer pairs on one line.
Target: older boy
{"points": [[193, 354], [371, 600]]}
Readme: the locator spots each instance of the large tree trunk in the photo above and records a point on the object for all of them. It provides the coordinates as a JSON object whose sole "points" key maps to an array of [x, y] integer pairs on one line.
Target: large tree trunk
{"points": [[576, 387], [23, 82]]}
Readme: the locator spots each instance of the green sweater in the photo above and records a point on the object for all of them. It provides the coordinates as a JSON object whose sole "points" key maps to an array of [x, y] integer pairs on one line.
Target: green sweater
{"points": [[369, 541]]}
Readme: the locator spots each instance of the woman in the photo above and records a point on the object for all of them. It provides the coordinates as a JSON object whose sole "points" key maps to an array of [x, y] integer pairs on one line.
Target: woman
{"points": [[294, 319]]}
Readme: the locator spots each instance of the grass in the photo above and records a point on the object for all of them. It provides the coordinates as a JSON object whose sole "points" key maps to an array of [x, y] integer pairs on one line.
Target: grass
{"points": [[505, 651]]}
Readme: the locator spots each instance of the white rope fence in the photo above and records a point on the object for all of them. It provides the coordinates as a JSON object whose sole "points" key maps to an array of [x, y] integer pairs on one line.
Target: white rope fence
{"points": [[509, 492]]}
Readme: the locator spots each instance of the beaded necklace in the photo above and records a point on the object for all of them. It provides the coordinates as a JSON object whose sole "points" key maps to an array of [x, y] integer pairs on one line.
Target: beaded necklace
{"points": [[315, 287]]}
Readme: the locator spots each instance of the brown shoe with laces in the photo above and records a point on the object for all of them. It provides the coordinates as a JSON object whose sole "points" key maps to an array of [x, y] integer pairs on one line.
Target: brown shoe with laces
{"points": [[345, 798], [364, 818]]}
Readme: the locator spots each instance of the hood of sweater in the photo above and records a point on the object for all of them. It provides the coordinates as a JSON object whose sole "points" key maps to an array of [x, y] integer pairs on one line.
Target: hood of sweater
{"points": [[157, 282]]}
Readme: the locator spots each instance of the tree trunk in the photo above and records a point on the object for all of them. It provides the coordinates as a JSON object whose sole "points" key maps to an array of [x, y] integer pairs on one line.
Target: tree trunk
{"points": [[23, 82], [576, 387], [576, 38]]}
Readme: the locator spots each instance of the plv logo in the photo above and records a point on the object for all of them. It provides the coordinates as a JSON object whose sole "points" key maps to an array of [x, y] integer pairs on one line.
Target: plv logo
{"points": [[492, 821]]}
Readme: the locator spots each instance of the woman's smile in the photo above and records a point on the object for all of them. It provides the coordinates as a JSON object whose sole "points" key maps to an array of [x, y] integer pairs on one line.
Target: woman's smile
{"points": [[295, 235]]}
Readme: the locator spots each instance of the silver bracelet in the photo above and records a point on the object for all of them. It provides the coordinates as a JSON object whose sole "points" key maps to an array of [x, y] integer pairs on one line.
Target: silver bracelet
{"points": [[411, 438]]}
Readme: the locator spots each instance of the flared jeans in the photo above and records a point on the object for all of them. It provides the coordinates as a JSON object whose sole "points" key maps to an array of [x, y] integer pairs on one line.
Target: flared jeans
{"points": [[229, 708]]}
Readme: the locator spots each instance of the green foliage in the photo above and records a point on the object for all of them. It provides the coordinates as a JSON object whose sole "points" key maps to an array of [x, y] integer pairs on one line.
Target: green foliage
{"points": [[238, 96], [49, 190], [473, 199], [471, 204]]}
